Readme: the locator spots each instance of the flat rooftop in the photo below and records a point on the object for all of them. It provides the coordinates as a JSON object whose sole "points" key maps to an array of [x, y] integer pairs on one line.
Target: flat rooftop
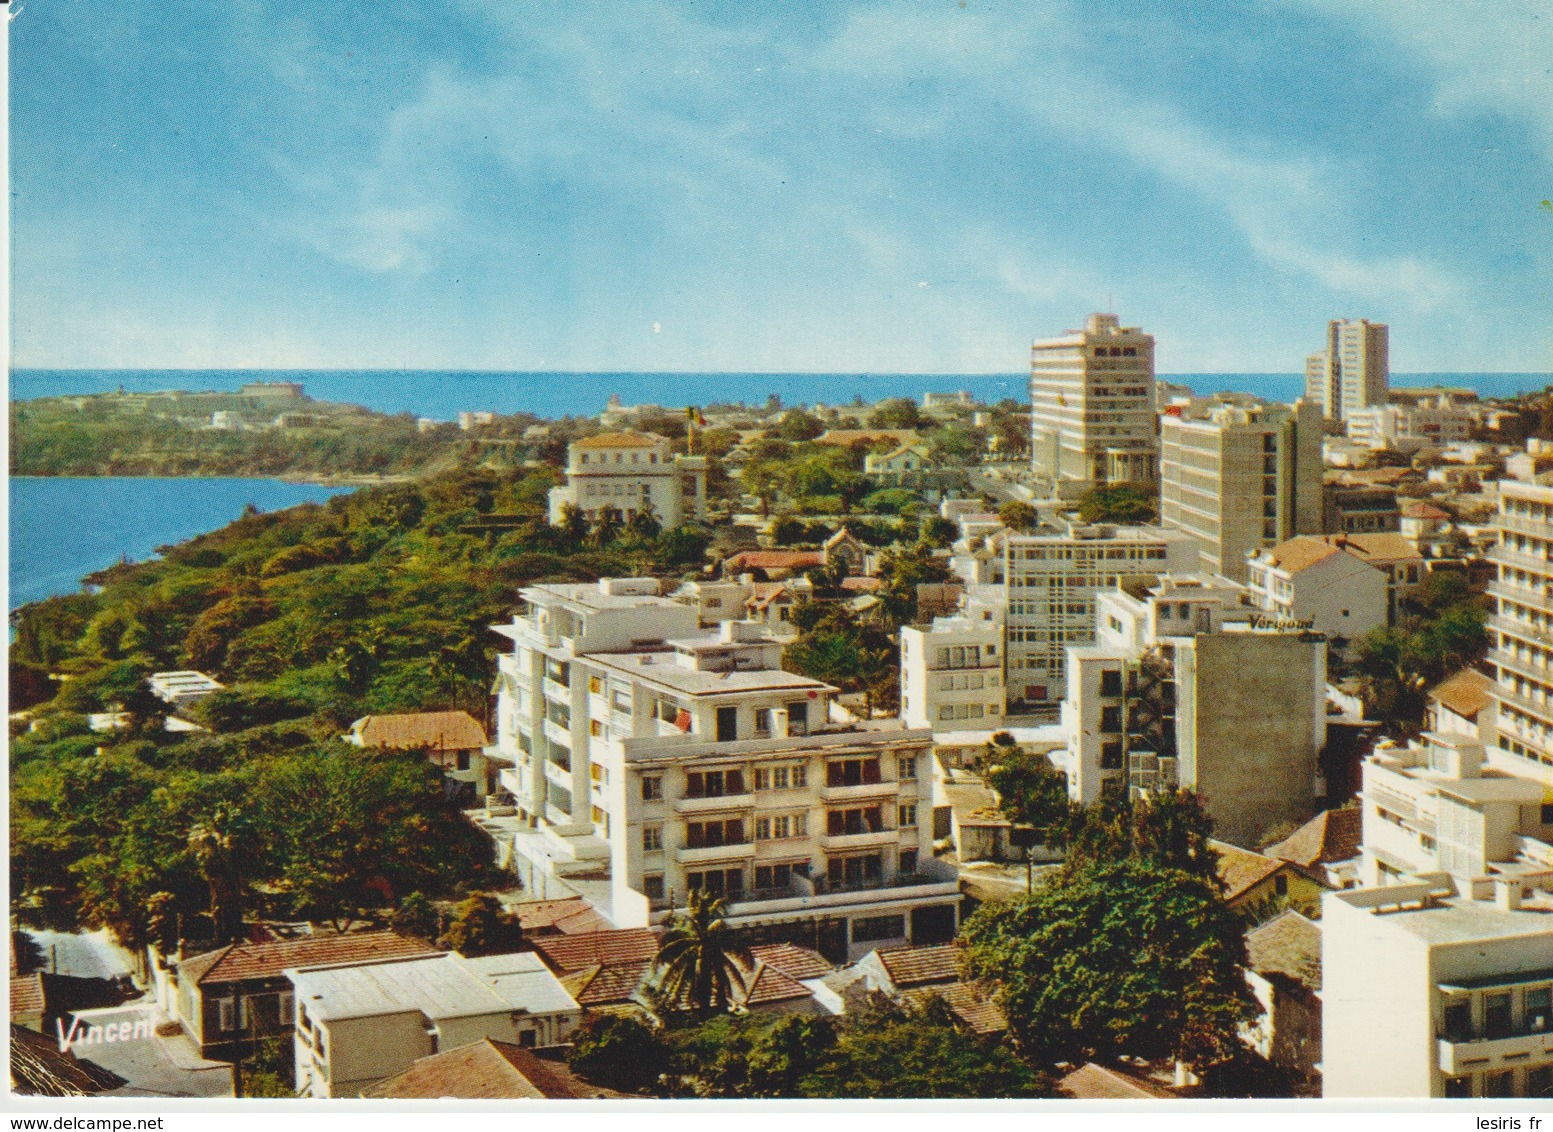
{"points": [[444, 985], [661, 668], [1454, 919], [588, 596]]}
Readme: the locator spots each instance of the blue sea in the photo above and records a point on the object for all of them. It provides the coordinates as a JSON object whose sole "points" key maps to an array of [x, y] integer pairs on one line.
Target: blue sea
{"points": [[441, 395], [65, 528]]}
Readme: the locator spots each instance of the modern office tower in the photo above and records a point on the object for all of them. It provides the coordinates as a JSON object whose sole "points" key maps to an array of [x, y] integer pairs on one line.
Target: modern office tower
{"points": [[631, 472], [1052, 580], [1092, 406], [952, 670], [1353, 372], [651, 757], [1240, 479], [1435, 988], [1180, 691]]}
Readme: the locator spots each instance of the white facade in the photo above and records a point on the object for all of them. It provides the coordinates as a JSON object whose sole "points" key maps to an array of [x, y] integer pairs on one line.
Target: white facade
{"points": [[1410, 426], [1241, 478], [1433, 989], [1353, 372], [1092, 405], [1052, 581], [664, 758], [359, 1024], [630, 472], [1521, 629], [952, 670], [1179, 692], [1308, 582]]}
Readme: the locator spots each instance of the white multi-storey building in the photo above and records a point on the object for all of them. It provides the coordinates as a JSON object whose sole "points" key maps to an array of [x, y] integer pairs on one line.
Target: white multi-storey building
{"points": [[1353, 372], [662, 758], [1438, 988], [1052, 581], [952, 670], [1092, 405], [1181, 692], [631, 472], [1410, 427], [1241, 478]]}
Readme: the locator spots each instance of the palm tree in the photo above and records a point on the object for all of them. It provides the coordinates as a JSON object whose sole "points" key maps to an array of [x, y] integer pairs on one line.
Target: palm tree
{"points": [[700, 956]]}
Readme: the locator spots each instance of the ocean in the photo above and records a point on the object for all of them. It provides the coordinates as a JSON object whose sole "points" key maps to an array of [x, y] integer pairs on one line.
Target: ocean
{"points": [[442, 395], [65, 528]]}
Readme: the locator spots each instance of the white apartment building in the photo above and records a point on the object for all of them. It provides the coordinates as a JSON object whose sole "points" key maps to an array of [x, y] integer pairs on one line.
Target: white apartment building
{"points": [[1353, 372], [1241, 478], [1410, 427], [1435, 988], [1521, 629], [1180, 692], [1092, 406], [1051, 583], [1314, 583], [663, 758], [630, 472], [952, 670], [358, 1024]]}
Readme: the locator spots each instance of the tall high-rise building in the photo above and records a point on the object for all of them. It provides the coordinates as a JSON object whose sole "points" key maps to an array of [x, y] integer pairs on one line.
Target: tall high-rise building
{"points": [[1521, 631], [1353, 372], [1241, 479], [1092, 405]]}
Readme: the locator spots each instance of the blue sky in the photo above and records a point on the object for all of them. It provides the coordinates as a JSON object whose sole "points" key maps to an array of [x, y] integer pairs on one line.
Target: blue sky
{"points": [[859, 187]]}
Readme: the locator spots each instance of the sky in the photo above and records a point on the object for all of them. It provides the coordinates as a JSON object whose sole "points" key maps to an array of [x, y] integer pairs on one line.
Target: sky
{"points": [[895, 187]]}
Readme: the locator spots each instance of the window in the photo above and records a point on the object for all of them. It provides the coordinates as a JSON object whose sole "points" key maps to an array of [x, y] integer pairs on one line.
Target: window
{"points": [[762, 778], [778, 877], [1111, 755], [906, 767], [595, 728], [1458, 1086], [1537, 1012], [528, 1038], [652, 838], [851, 772], [1281, 885], [908, 862], [652, 886], [226, 1011], [621, 702], [845, 872], [287, 1008], [727, 724], [907, 816], [717, 881], [595, 685], [878, 927], [462, 760], [1539, 1081], [1111, 682], [714, 783], [1496, 1015], [652, 788], [762, 722], [1500, 1084], [842, 823], [777, 827], [798, 776], [798, 718], [1111, 719], [709, 834]]}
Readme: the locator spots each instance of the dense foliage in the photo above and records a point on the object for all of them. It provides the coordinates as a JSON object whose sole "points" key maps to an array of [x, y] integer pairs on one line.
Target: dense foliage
{"points": [[1118, 503], [1439, 629]]}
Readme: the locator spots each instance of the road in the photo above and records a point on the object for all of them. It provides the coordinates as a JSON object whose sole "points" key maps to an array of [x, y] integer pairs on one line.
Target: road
{"points": [[149, 1066], [87, 955]]}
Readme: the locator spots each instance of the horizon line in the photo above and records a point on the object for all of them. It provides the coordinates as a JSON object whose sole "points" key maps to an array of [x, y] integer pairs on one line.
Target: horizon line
{"points": [[714, 372]]}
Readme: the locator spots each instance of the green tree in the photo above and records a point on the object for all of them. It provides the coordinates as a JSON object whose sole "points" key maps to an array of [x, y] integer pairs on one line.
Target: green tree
{"points": [[936, 531], [1031, 792], [896, 412], [701, 956], [1169, 830], [417, 916], [619, 1052], [797, 425], [480, 925], [1017, 515], [1118, 503], [1122, 959]]}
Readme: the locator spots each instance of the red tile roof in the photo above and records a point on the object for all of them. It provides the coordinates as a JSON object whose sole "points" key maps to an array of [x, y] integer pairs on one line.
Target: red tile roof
{"points": [[1422, 510], [1332, 835], [487, 1070], [568, 953], [1103, 1083], [40, 1069], [572, 916], [620, 440], [240, 962], [970, 1004], [768, 985], [596, 986], [1465, 693], [794, 961], [1288, 945], [917, 966], [27, 997], [1241, 870], [774, 560], [422, 730]]}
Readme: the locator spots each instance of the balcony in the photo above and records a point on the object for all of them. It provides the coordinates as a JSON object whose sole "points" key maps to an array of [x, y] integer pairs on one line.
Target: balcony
{"points": [[1535, 528], [1463, 1054], [558, 734], [865, 790], [866, 839], [1521, 595], [559, 774], [710, 854], [709, 805], [557, 691]]}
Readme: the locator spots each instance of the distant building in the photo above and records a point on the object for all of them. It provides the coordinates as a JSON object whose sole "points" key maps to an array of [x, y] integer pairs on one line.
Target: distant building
{"points": [[1316, 583], [1241, 479], [1352, 510], [631, 472], [1353, 372], [1406, 428], [469, 420], [1284, 971], [1092, 405], [183, 688], [272, 390], [952, 671]]}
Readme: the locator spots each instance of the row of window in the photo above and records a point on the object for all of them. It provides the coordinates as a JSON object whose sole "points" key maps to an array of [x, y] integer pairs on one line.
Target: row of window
{"points": [[780, 827], [603, 458], [857, 870], [790, 776]]}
